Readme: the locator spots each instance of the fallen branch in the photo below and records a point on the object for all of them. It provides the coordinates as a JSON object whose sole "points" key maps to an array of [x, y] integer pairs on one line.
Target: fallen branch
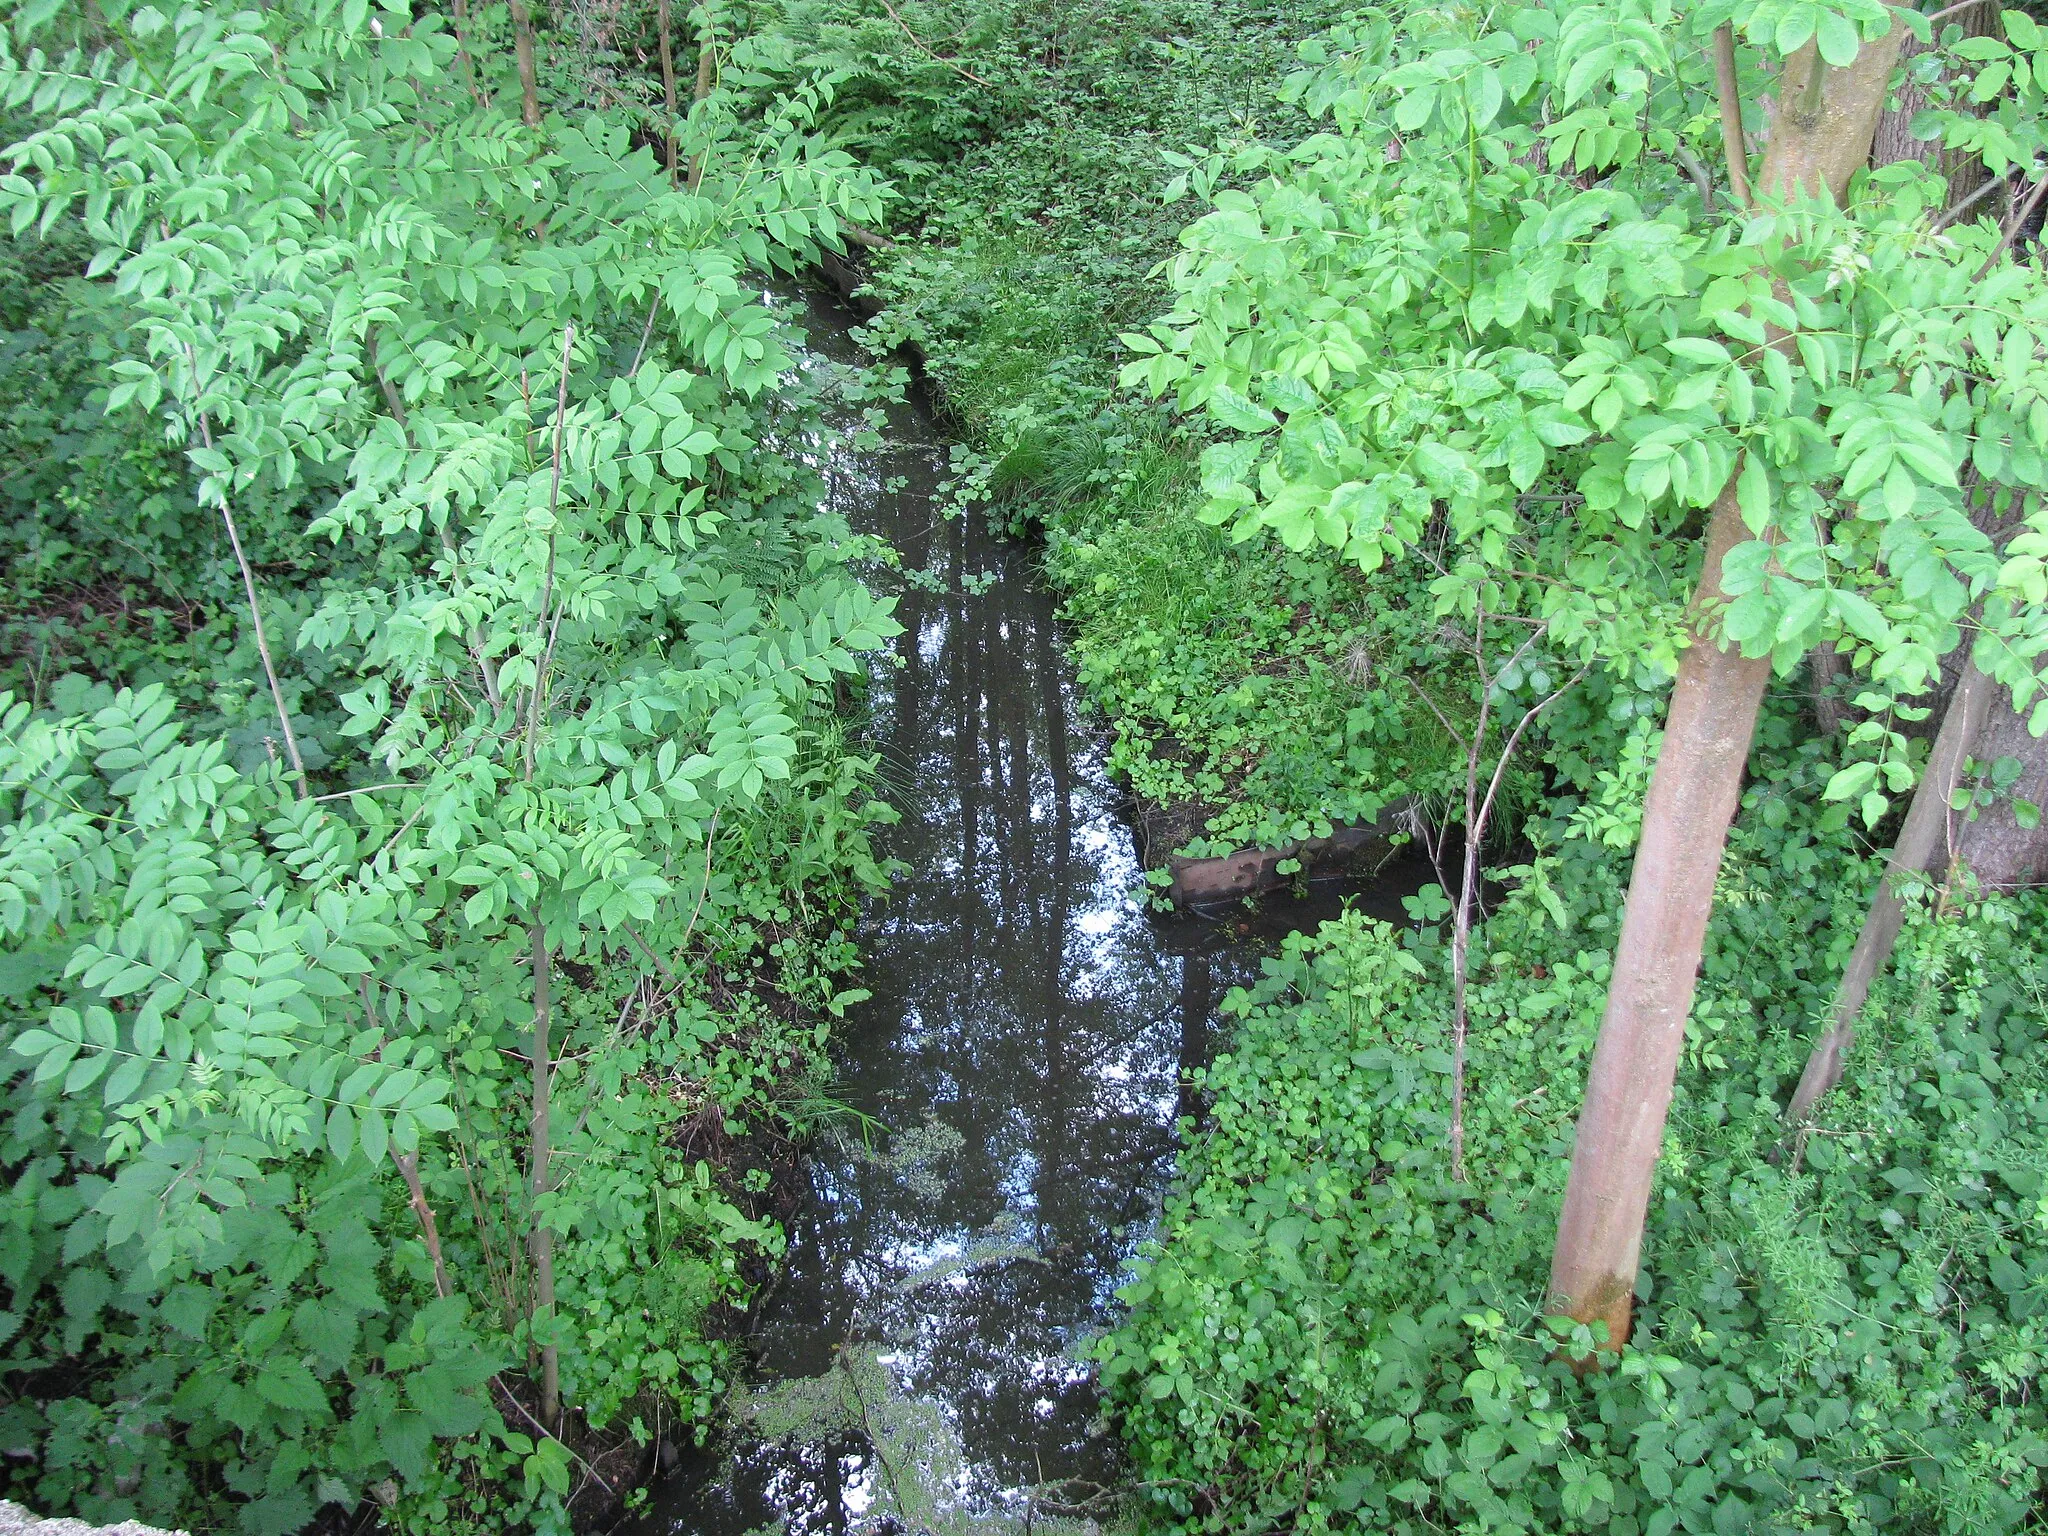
{"points": [[1990, 186], [547, 1434]]}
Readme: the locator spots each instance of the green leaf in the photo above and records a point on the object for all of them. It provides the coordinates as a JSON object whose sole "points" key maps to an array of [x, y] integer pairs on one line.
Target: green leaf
{"points": [[341, 1132], [1800, 622], [1837, 39], [1753, 494], [287, 1384], [1850, 781], [1234, 411]]}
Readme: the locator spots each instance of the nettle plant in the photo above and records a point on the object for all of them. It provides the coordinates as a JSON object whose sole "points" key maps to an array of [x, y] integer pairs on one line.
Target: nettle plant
{"points": [[595, 656]]}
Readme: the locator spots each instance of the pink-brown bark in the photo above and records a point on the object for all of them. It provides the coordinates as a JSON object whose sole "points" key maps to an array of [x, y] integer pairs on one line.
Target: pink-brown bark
{"points": [[1691, 802], [1821, 129]]}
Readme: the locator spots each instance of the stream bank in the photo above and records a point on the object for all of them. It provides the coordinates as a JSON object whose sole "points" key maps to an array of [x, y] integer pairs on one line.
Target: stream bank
{"points": [[1014, 1081]]}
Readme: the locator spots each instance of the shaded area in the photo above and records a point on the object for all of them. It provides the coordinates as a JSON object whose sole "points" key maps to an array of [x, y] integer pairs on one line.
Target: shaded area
{"points": [[1023, 1053]]}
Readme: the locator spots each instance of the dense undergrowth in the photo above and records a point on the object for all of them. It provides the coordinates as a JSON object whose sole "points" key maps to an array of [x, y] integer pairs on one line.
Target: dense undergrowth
{"points": [[521, 867], [407, 1028], [1840, 1332], [1839, 1329], [1251, 701]]}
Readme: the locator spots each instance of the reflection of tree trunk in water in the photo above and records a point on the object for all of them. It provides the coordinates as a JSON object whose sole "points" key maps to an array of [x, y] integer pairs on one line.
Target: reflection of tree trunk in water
{"points": [[909, 729], [964, 673], [997, 702], [835, 1484], [1022, 790], [1055, 704], [1197, 998], [1050, 959]]}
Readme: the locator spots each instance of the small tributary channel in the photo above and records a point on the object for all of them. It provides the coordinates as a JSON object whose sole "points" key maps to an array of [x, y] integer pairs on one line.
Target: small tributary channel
{"points": [[1019, 1069]]}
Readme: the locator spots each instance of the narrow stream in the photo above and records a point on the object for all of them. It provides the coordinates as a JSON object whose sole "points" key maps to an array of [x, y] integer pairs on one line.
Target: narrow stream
{"points": [[1020, 1066]]}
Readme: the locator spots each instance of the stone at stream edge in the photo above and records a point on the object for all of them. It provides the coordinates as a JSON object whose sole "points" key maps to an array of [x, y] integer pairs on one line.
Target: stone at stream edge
{"points": [[16, 1521]]}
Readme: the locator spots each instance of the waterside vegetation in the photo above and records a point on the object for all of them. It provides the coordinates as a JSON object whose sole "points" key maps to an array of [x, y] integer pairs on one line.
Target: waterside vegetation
{"points": [[1612, 434], [1514, 367]]}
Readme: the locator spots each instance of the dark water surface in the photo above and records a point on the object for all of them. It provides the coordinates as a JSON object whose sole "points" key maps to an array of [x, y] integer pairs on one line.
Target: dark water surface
{"points": [[1021, 1061]]}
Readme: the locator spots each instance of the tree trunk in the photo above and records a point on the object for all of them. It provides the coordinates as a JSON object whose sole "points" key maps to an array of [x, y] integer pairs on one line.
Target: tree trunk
{"points": [[1691, 801], [668, 83], [1923, 845], [1830, 679], [529, 80], [1820, 135], [2000, 852], [459, 11], [707, 67], [1894, 140]]}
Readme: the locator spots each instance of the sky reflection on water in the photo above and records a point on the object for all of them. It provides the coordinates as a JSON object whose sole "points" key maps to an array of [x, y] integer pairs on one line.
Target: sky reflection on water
{"points": [[1025, 1046]]}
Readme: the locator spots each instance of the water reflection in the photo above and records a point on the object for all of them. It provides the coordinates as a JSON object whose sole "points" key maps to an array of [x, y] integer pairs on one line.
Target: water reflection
{"points": [[1026, 1048]]}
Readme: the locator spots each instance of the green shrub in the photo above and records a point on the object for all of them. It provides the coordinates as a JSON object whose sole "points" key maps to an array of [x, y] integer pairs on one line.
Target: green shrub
{"points": [[561, 633], [1262, 697], [1332, 1336]]}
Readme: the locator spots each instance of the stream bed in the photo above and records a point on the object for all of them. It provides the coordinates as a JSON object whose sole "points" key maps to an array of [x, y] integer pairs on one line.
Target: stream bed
{"points": [[1018, 1071]]}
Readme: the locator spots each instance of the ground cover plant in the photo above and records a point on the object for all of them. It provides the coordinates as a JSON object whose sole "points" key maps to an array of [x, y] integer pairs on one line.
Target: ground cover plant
{"points": [[429, 837], [1337, 1336]]}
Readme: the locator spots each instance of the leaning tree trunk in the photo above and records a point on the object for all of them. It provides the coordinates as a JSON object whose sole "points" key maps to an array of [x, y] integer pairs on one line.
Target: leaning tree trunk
{"points": [[1923, 845], [1820, 135], [1934, 838], [1691, 801]]}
